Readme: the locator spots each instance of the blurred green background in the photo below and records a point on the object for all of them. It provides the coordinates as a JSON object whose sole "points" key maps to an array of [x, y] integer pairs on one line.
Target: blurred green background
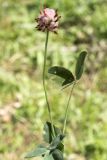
{"points": [[83, 25]]}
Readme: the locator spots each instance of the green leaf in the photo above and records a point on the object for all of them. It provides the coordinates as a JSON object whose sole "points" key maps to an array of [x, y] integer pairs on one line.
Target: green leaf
{"points": [[57, 131], [39, 151], [56, 142], [60, 147], [63, 73], [57, 155], [48, 157], [48, 136], [48, 132], [54, 155], [80, 65]]}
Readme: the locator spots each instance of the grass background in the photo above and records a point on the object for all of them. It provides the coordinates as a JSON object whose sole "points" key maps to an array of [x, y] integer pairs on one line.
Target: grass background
{"points": [[83, 25]]}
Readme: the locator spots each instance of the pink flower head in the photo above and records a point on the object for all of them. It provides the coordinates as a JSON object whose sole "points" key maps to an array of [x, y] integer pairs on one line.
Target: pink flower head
{"points": [[48, 20]]}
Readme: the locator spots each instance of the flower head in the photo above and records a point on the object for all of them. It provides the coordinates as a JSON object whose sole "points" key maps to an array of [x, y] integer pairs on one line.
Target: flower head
{"points": [[48, 20]]}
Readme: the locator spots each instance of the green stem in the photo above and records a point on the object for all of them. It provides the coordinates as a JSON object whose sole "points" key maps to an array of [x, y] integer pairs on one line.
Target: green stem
{"points": [[66, 111], [44, 86]]}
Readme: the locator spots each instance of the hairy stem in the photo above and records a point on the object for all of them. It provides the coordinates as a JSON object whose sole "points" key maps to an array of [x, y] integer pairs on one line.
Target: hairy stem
{"points": [[67, 108], [44, 86]]}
